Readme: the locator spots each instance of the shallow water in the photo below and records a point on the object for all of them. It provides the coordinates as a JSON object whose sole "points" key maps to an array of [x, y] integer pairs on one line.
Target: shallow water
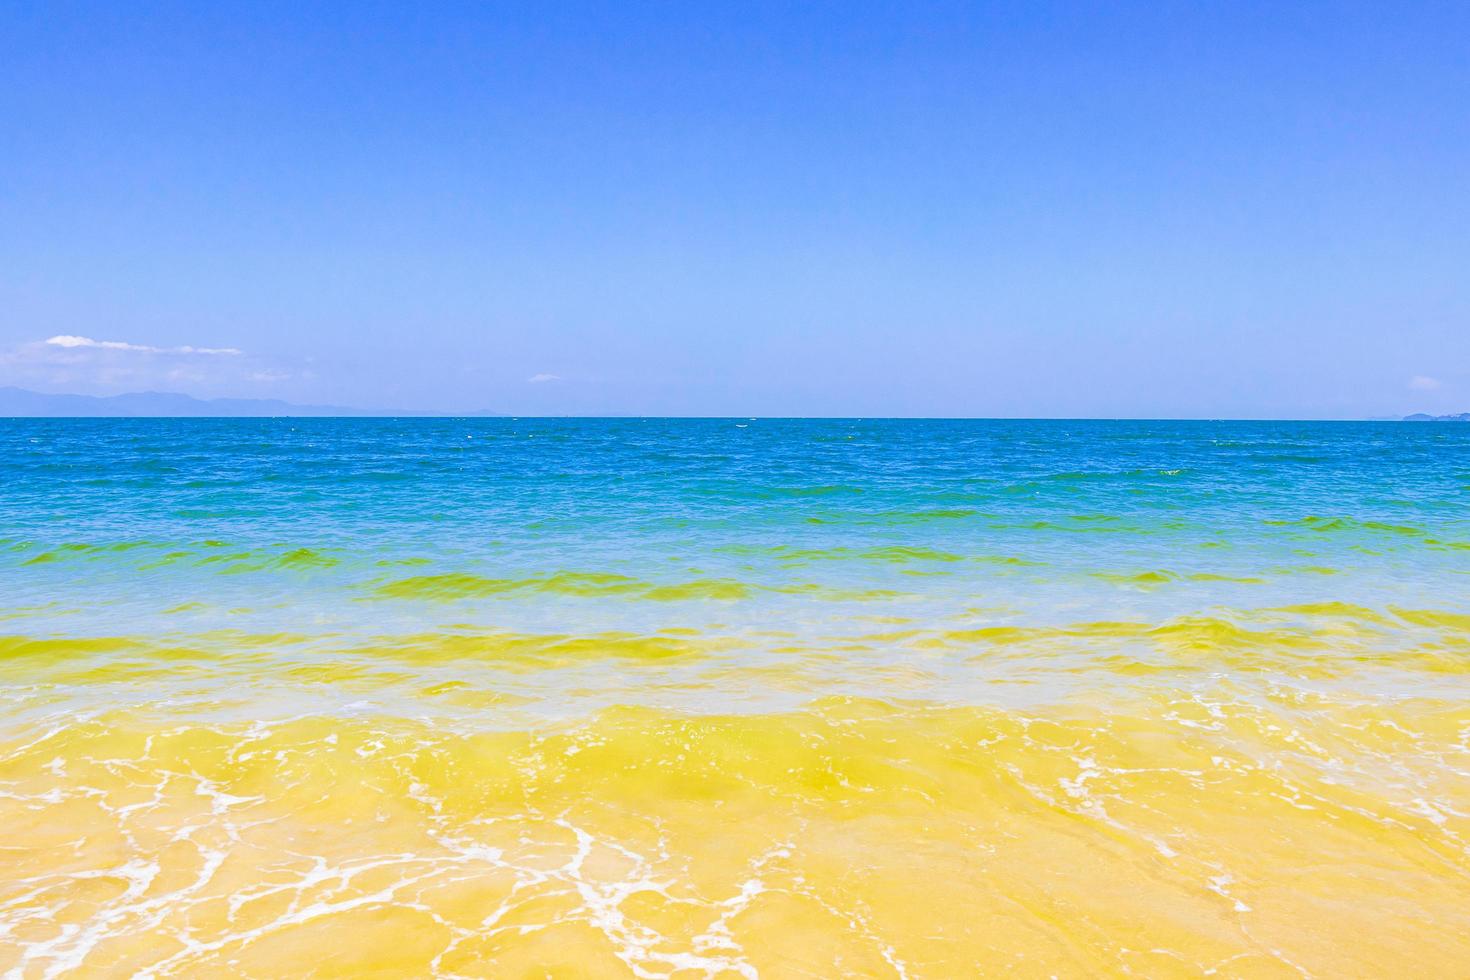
{"points": [[733, 698]]}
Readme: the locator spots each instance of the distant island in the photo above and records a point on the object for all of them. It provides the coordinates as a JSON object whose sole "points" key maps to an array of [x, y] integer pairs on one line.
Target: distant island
{"points": [[23, 403], [20, 403]]}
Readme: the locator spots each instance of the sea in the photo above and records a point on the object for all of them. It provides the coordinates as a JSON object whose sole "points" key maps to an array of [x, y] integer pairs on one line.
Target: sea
{"points": [[733, 698]]}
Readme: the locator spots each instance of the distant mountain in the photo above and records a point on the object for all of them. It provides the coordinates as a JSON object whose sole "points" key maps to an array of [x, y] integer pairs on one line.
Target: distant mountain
{"points": [[1421, 417], [20, 403]]}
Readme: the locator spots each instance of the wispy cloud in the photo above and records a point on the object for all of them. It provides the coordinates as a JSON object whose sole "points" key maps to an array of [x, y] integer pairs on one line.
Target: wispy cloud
{"points": [[73, 342], [1421, 383], [88, 365], [539, 379]]}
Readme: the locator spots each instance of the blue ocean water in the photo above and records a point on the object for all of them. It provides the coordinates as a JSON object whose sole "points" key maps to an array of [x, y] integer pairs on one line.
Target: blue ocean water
{"points": [[809, 530], [723, 498]]}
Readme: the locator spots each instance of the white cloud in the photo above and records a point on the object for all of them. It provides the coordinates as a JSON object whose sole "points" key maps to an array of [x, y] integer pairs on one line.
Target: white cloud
{"points": [[72, 342], [87, 365], [537, 379], [1421, 383]]}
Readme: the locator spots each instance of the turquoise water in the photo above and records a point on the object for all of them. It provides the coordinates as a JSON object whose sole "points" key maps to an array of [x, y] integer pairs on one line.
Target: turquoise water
{"points": [[343, 529], [132, 515], [433, 583]]}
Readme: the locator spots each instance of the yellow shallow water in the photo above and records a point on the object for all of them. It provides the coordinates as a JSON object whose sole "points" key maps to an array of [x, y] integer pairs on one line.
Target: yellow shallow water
{"points": [[1237, 830]]}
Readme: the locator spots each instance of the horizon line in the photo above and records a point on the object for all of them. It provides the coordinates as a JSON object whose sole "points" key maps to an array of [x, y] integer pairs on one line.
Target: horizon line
{"points": [[422, 414], [42, 410]]}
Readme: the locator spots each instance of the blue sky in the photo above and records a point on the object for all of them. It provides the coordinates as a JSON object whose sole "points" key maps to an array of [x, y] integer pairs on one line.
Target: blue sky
{"points": [[1023, 209]]}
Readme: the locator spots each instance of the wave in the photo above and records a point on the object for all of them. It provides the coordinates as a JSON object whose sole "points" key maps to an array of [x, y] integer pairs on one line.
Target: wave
{"points": [[462, 585], [854, 836]]}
